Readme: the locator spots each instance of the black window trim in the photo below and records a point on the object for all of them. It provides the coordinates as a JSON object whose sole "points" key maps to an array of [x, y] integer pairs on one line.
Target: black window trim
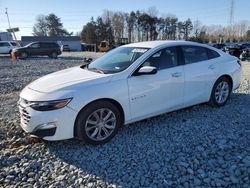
{"points": [[181, 50], [3, 42], [208, 55], [180, 59]]}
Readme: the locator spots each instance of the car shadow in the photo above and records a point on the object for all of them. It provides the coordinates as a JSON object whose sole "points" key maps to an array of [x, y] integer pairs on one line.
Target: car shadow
{"points": [[143, 149], [5, 56], [48, 58]]}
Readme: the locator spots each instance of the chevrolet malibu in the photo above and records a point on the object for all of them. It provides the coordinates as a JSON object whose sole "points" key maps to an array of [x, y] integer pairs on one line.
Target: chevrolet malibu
{"points": [[130, 83]]}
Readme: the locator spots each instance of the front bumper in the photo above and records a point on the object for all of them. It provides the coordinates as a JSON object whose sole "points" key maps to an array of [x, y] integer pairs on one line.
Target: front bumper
{"points": [[48, 125]]}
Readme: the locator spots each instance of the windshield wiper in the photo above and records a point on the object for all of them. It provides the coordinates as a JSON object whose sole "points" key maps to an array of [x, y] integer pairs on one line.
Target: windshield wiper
{"points": [[95, 70]]}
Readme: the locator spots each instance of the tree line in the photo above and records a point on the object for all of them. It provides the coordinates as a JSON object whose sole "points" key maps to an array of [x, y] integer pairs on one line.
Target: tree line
{"points": [[139, 26], [143, 26], [136, 26]]}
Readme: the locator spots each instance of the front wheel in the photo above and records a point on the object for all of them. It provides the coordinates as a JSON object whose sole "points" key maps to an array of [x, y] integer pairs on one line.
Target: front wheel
{"points": [[23, 55], [98, 122], [221, 92]]}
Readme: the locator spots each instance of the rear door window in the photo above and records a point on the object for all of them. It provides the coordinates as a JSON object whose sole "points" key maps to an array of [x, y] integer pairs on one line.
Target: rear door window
{"points": [[45, 45], [194, 54]]}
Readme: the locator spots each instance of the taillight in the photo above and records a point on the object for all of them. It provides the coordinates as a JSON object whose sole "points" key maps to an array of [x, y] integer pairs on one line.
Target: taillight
{"points": [[238, 61]]}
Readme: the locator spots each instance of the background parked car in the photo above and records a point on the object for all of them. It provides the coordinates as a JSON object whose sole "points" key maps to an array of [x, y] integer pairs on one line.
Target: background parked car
{"points": [[65, 48], [219, 45], [233, 50], [244, 46], [50, 49], [6, 47]]}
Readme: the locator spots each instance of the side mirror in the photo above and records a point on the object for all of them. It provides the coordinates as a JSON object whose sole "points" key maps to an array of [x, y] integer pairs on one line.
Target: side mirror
{"points": [[147, 70], [87, 60]]}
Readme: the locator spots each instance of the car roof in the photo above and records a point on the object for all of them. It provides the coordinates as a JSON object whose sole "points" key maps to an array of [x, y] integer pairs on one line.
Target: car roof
{"points": [[8, 41], [153, 44]]}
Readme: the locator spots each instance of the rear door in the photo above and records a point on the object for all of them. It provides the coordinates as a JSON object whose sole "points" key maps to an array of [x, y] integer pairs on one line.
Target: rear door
{"points": [[45, 47], [200, 74]]}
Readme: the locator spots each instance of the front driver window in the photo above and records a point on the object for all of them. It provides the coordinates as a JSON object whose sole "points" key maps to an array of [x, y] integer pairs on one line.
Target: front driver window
{"points": [[36, 45], [163, 59]]}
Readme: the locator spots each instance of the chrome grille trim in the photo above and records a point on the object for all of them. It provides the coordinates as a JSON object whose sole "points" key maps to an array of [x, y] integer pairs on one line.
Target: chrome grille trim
{"points": [[25, 116]]}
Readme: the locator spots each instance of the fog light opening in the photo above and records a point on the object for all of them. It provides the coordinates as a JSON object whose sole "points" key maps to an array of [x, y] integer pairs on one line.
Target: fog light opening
{"points": [[46, 126]]}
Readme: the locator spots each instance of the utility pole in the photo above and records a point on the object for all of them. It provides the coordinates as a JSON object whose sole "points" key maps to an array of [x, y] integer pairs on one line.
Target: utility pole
{"points": [[231, 19], [6, 12]]}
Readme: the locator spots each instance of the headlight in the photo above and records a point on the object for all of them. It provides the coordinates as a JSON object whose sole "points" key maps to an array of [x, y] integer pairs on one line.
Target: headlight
{"points": [[49, 105]]}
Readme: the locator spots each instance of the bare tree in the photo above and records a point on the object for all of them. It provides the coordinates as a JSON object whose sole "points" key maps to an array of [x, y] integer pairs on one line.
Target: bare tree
{"points": [[118, 23], [40, 28]]}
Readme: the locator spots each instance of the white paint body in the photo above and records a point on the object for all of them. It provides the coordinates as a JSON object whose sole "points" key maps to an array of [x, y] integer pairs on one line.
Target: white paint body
{"points": [[139, 96], [7, 46]]}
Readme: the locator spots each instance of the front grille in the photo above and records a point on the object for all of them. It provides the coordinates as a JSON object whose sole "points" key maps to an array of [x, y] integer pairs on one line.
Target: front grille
{"points": [[25, 116]]}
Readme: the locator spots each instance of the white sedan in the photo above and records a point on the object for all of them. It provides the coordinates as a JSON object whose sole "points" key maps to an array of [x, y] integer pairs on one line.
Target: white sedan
{"points": [[128, 84]]}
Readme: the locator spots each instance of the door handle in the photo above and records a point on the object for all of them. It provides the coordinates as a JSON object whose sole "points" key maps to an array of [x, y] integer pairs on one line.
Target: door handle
{"points": [[176, 74], [211, 67]]}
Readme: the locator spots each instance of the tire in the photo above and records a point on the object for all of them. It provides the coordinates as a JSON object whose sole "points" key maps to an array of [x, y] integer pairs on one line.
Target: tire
{"points": [[23, 55], [54, 55], [98, 131], [221, 92]]}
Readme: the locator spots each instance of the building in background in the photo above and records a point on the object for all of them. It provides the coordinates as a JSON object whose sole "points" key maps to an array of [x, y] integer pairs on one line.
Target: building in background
{"points": [[73, 42], [5, 36]]}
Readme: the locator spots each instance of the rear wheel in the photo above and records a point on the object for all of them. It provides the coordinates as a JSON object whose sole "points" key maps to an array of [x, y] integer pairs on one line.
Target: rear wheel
{"points": [[98, 122], [53, 55], [221, 92]]}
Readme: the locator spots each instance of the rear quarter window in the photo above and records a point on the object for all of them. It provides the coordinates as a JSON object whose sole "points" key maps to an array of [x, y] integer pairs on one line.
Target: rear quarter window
{"points": [[13, 44], [212, 54]]}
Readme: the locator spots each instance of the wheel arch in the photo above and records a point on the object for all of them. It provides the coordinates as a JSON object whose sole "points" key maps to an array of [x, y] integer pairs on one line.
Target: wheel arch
{"points": [[116, 103], [228, 77], [25, 51]]}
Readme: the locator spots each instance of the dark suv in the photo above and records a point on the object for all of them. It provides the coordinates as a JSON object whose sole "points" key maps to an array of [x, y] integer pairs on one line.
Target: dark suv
{"points": [[50, 49]]}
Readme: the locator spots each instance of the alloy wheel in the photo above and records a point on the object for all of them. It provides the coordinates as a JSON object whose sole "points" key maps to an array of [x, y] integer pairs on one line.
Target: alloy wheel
{"points": [[222, 92], [100, 124]]}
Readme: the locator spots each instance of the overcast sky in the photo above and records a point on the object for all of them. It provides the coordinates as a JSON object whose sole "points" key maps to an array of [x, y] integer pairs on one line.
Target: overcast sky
{"points": [[75, 13]]}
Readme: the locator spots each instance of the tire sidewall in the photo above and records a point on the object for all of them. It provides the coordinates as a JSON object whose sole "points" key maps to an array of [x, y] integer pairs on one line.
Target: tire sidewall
{"points": [[24, 57], [81, 119], [54, 55], [213, 101]]}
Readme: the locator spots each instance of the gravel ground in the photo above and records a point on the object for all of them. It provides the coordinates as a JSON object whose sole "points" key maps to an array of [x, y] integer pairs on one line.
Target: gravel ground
{"points": [[195, 147]]}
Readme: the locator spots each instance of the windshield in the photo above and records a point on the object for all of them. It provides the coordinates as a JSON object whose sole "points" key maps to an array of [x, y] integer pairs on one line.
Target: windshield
{"points": [[116, 60], [13, 44]]}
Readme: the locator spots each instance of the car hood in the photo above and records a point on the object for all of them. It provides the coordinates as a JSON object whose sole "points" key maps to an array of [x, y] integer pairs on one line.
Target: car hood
{"points": [[20, 48], [68, 79]]}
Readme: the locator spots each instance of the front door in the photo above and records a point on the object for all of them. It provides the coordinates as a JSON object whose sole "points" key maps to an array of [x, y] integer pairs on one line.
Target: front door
{"points": [[34, 49], [154, 94]]}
